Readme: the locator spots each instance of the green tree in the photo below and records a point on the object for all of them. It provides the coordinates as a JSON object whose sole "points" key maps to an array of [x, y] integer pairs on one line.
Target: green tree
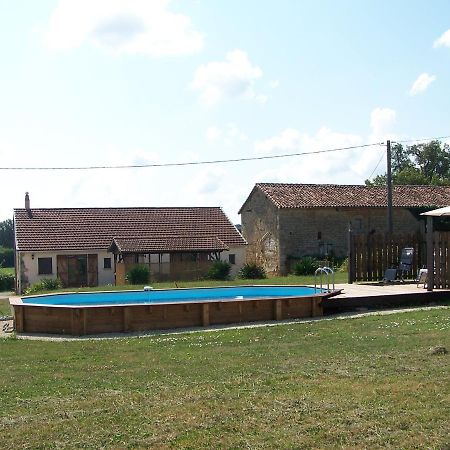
{"points": [[7, 233], [418, 164]]}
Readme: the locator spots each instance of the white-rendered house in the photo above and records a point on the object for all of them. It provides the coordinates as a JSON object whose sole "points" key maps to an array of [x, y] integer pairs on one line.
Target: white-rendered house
{"points": [[83, 246]]}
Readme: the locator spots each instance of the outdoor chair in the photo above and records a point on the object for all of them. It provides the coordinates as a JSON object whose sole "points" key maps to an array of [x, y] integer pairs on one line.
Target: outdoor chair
{"points": [[404, 266], [422, 277]]}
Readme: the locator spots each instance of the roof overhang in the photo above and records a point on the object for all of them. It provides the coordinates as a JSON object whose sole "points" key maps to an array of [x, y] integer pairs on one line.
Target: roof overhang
{"points": [[167, 244]]}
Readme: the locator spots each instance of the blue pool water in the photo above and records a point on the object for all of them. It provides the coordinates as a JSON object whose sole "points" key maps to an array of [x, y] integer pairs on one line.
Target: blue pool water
{"points": [[172, 295]]}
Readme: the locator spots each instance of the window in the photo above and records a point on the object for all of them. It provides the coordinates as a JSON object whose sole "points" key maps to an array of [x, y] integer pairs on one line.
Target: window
{"points": [[45, 266], [319, 235], [107, 263], [358, 224], [232, 258]]}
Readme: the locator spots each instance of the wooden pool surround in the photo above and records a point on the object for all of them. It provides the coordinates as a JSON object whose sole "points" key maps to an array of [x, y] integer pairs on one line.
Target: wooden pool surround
{"points": [[86, 320]]}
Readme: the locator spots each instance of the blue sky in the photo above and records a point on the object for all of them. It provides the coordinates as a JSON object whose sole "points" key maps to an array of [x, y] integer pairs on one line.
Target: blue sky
{"points": [[123, 82]]}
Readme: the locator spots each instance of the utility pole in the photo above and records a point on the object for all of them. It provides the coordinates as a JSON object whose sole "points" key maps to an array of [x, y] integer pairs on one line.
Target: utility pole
{"points": [[389, 187]]}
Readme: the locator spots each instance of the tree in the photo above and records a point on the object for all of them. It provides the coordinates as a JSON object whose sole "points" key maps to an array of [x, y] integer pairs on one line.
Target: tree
{"points": [[7, 233], [418, 164]]}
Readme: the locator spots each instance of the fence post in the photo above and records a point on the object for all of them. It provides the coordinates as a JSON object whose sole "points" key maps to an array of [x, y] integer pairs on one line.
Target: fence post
{"points": [[350, 255], [430, 251]]}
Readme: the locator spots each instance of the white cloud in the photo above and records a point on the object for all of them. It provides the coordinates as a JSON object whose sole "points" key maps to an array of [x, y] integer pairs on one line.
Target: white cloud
{"points": [[213, 133], [443, 40], [233, 78], [206, 183], [122, 26], [382, 121], [274, 84], [230, 134], [351, 166], [421, 84]]}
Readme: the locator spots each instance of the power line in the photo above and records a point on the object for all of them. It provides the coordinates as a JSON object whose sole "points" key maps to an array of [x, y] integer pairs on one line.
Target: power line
{"points": [[197, 163], [378, 163], [424, 139]]}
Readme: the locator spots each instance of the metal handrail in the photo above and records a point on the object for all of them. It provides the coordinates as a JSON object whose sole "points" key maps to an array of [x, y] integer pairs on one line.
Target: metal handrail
{"points": [[324, 271]]}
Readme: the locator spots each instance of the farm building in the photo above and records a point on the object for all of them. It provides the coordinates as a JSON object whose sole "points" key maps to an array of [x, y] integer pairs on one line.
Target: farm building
{"points": [[93, 246], [284, 221]]}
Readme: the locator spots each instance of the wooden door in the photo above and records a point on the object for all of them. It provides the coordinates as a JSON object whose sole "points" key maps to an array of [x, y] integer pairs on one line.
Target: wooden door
{"points": [[92, 270], [62, 269]]}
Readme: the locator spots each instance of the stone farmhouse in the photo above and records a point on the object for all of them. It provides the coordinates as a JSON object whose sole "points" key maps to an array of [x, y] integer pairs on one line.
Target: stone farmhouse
{"points": [[283, 221], [96, 246]]}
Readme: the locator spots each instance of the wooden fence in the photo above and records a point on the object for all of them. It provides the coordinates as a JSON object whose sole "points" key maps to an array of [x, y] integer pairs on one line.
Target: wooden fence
{"points": [[441, 251], [371, 255]]}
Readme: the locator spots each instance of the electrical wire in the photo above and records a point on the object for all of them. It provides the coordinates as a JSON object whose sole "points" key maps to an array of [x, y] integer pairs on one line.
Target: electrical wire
{"points": [[424, 139], [378, 163], [197, 163]]}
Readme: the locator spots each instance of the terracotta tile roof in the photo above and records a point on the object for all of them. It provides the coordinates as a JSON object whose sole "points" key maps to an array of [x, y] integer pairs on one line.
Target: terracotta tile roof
{"points": [[168, 243], [332, 195], [95, 228]]}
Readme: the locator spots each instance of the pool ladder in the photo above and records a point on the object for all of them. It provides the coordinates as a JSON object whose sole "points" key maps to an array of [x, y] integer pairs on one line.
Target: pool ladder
{"points": [[320, 272]]}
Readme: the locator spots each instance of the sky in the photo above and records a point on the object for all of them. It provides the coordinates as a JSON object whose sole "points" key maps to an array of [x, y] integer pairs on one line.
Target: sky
{"points": [[134, 82]]}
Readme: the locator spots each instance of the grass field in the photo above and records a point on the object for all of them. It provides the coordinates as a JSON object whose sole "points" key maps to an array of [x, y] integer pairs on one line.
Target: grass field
{"points": [[7, 270], [355, 383]]}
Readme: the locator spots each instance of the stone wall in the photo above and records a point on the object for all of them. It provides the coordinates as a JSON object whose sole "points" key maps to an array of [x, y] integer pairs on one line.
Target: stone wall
{"points": [[259, 219], [274, 235], [320, 231]]}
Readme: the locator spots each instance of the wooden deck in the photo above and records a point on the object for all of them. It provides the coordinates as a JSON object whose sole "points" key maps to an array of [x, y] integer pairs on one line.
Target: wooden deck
{"points": [[371, 289], [379, 296]]}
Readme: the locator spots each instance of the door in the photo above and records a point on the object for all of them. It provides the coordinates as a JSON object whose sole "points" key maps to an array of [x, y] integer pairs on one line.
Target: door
{"points": [[77, 268], [62, 269], [92, 270]]}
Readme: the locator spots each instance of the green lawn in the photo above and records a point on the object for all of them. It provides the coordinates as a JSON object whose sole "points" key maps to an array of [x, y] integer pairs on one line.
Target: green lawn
{"points": [[355, 383], [7, 270]]}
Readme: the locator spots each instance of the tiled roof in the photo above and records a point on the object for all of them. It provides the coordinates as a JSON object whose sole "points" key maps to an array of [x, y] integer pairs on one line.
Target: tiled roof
{"points": [[95, 228], [168, 243], [332, 195]]}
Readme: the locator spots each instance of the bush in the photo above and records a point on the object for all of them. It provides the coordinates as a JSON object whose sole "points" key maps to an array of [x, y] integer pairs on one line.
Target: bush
{"points": [[138, 274], [306, 266], [252, 271], [220, 270], [6, 257], [342, 266], [46, 284], [7, 282]]}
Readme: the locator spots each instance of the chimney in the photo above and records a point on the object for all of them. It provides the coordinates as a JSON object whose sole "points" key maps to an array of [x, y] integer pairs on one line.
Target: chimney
{"points": [[27, 205]]}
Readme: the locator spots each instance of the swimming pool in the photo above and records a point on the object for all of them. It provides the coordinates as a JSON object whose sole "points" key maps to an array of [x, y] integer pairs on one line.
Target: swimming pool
{"points": [[154, 296], [124, 311]]}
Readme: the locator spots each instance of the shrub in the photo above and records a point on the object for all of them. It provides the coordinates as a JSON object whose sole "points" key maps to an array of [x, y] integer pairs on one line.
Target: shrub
{"points": [[252, 271], [46, 284], [343, 267], [306, 266], [138, 274], [220, 270], [6, 257], [7, 282]]}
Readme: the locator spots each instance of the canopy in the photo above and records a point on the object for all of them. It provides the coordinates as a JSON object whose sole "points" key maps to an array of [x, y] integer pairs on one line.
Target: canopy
{"points": [[438, 212]]}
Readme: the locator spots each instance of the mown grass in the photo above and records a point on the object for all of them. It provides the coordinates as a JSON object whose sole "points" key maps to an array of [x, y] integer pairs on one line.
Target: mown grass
{"points": [[5, 308], [8, 270], [356, 383]]}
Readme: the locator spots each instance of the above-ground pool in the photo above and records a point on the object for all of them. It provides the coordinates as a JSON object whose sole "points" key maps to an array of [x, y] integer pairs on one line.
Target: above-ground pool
{"points": [[124, 311]]}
